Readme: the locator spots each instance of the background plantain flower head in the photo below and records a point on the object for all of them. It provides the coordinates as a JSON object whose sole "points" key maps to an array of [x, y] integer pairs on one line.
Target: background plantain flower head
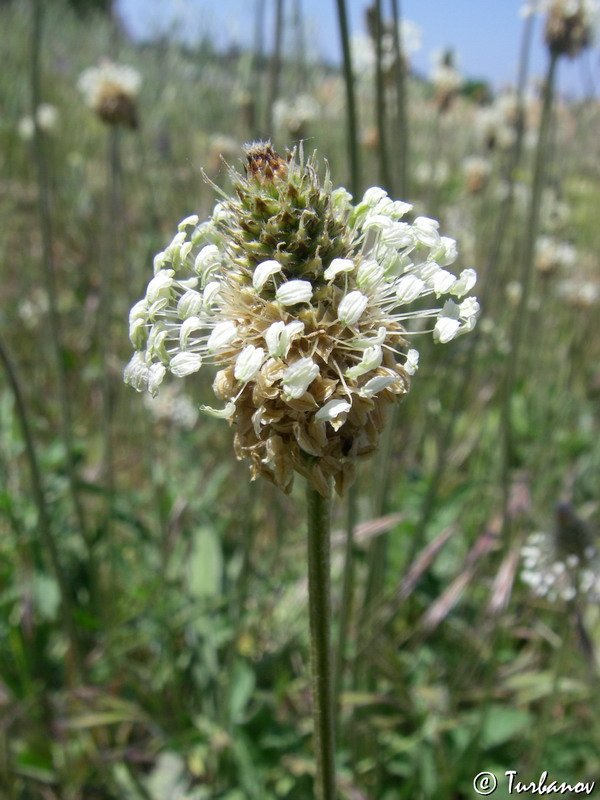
{"points": [[111, 91]]}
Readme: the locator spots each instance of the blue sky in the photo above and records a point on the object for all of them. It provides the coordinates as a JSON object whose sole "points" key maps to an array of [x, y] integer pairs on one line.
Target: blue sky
{"points": [[485, 33]]}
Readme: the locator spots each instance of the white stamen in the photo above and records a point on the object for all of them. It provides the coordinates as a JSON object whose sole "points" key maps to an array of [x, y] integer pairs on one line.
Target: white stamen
{"points": [[351, 308]]}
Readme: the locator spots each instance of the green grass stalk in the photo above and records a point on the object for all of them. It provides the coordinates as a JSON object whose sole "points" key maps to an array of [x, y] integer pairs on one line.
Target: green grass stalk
{"points": [[321, 662], [402, 117], [376, 561], [542, 728], [43, 517], [533, 220], [45, 216], [504, 216], [255, 89], [487, 284], [376, 569], [351, 111], [108, 258], [437, 140], [238, 604], [300, 46], [345, 615], [274, 78], [380, 105]]}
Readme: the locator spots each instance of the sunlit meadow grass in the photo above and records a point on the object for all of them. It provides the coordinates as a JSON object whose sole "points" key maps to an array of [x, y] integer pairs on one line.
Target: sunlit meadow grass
{"points": [[163, 652]]}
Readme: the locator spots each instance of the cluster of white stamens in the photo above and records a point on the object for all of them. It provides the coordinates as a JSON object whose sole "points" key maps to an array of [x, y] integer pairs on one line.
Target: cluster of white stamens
{"points": [[559, 576], [323, 345]]}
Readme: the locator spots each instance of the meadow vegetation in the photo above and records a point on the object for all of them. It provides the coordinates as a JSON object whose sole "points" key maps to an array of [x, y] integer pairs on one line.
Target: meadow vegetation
{"points": [[153, 625]]}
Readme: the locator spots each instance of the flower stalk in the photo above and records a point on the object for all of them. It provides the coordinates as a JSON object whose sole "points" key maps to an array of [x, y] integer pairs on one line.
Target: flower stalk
{"points": [[297, 296], [275, 60], [488, 284], [400, 70], [321, 662], [527, 272], [347, 596], [46, 227], [380, 103], [43, 517], [352, 126], [108, 257]]}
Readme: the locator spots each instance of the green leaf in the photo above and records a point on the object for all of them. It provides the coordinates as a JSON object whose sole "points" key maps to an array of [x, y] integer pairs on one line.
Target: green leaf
{"points": [[243, 681], [204, 567], [502, 724], [46, 595]]}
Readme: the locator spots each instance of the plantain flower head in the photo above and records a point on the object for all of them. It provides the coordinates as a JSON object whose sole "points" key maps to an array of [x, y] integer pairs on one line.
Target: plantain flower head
{"points": [[562, 565], [295, 116], [569, 25], [111, 91], [300, 299], [446, 80], [47, 117]]}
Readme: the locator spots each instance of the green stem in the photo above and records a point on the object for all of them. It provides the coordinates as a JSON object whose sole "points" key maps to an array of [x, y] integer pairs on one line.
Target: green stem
{"points": [[54, 327], [435, 161], [319, 602], [45, 530], [276, 60], [384, 161], [255, 87], [490, 276], [300, 46], [347, 594], [352, 127], [487, 284], [543, 732], [526, 276], [105, 314], [377, 555], [400, 72], [238, 606]]}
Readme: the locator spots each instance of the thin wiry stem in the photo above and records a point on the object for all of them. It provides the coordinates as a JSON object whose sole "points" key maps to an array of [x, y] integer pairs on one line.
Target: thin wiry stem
{"points": [[276, 60], [352, 126], [300, 45], [400, 75], [533, 221], [238, 605], [435, 160], [487, 284], [321, 662], [542, 734], [347, 593], [44, 205], [44, 527], [113, 217], [376, 568], [256, 71], [380, 110], [490, 273], [377, 556]]}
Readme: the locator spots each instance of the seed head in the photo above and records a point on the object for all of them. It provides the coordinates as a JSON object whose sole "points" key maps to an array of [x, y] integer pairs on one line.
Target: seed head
{"points": [[569, 26], [296, 296], [264, 165], [111, 91], [446, 80]]}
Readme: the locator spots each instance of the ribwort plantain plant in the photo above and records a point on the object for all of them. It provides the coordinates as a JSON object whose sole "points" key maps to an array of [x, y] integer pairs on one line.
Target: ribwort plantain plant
{"points": [[297, 296]]}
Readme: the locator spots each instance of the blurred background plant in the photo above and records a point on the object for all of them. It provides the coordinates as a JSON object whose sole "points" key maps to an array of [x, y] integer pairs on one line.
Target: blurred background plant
{"points": [[153, 639]]}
